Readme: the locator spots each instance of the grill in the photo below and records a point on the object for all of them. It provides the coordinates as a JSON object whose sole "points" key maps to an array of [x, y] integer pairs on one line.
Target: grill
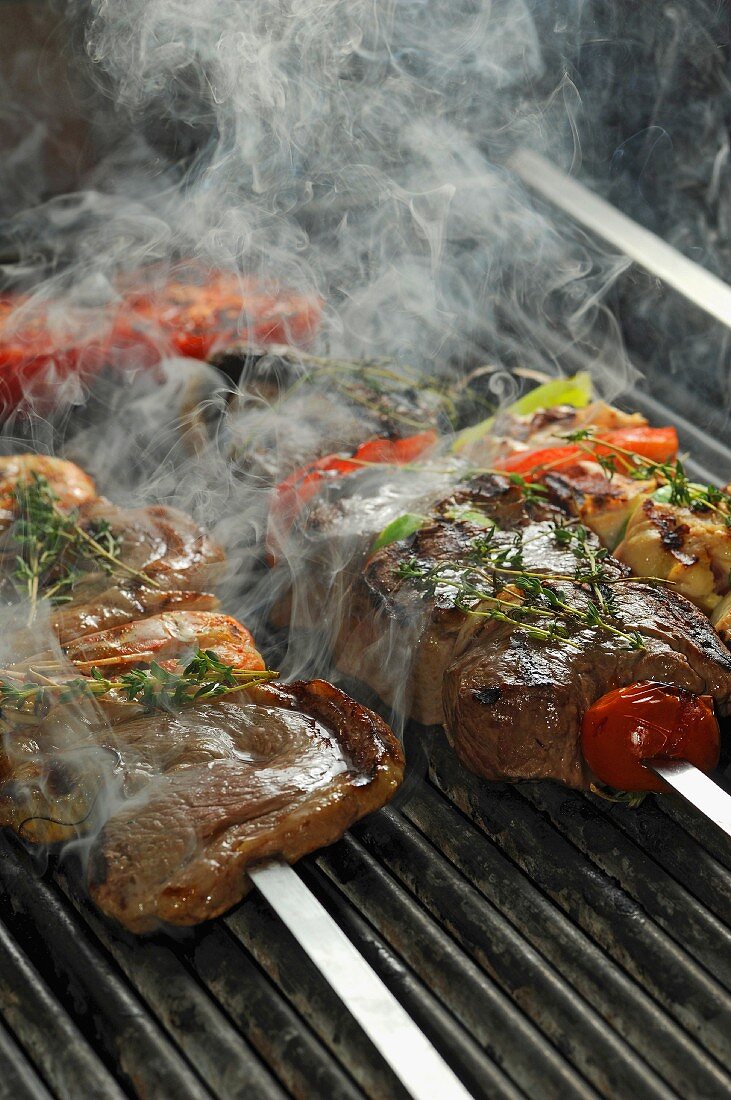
{"points": [[549, 944]]}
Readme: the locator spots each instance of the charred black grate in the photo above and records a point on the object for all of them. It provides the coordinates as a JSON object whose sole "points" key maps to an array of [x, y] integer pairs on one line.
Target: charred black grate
{"points": [[550, 944]]}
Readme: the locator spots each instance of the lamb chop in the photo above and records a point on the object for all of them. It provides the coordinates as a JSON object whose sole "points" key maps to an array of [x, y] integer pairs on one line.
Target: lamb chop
{"points": [[180, 803], [519, 623]]}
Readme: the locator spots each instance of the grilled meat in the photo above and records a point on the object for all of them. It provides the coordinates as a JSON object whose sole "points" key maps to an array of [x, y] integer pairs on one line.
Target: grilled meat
{"points": [[292, 408], [159, 543], [604, 504], [229, 784], [397, 640], [688, 547], [70, 483], [512, 703]]}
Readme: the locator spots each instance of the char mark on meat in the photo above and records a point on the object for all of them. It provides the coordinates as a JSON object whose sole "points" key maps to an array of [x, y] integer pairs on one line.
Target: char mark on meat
{"points": [[512, 703], [230, 784]]}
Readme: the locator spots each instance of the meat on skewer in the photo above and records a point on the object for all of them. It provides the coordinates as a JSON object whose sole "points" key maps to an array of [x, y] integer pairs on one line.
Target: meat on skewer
{"points": [[161, 560], [513, 702], [276, 774], [182, 798]]}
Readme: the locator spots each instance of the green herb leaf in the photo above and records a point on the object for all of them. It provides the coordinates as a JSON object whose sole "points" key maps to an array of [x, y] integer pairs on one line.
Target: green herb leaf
{"points": [[399, 528]]}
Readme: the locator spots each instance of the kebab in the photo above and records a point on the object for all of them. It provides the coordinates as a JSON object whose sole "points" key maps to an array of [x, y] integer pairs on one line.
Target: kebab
{"points": [[246, 775], [148, 695], [391, 610]]}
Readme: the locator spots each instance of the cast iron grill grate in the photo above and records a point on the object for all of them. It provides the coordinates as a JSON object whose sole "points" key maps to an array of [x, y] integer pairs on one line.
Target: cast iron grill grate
{"points": [[551, 945]]}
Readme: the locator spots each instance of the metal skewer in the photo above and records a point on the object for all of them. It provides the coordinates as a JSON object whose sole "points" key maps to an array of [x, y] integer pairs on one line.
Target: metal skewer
{"points": [[421, 1070], [697, 788], [699, 286]]}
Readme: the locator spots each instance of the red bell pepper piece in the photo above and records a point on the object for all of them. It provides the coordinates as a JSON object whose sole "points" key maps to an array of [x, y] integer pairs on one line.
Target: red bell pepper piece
{"points": [[654, 444], [292, 494]]}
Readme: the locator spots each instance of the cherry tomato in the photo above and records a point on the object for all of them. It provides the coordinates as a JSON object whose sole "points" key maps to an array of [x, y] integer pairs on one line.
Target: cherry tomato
{"points": [[654, 444], [645, 720]]}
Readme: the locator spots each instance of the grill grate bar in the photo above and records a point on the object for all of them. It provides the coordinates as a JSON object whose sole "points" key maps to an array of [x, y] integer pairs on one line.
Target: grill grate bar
{"points": [[18, 1081], [478, 1073], [668, 844], [161, 978], [496, 1024], [700, 829], [548, 944], [655, 1037], [564, 1017], [595, 902], [129, 1036], [256, 927], [702, 935], [45, 1031], [282, 1038]]}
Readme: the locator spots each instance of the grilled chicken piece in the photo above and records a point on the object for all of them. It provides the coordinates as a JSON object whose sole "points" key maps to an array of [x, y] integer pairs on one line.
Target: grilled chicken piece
{"points": [[690, 549], [199, 796], [512, 704], [69, 482], [604, 504]]}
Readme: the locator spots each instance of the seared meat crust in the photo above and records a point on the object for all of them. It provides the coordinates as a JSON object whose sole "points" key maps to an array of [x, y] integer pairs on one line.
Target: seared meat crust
{"points": [[512, 704], [398, 641], [274, 775], [163, 544]]}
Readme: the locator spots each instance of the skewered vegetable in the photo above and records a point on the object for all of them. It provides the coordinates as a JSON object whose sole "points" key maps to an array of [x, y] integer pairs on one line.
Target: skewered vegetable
{"points": [[646, 720]]}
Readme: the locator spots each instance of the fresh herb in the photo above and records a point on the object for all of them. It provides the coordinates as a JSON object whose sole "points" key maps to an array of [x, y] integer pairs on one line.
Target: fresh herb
{"points": [[399, 528], [532, 491], [675, 485], [53, 545], [151, 686], [631, 799], [493, 582]]}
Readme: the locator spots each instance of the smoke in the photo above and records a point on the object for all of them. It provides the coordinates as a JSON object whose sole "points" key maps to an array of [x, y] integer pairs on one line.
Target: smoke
{"points": [[353, 151], [350, 152]]}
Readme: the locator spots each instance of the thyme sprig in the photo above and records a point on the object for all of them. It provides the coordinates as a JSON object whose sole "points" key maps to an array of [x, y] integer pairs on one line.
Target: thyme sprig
{"points": [[53, 545], [494, 583], [682, 491], [152, 686]]}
